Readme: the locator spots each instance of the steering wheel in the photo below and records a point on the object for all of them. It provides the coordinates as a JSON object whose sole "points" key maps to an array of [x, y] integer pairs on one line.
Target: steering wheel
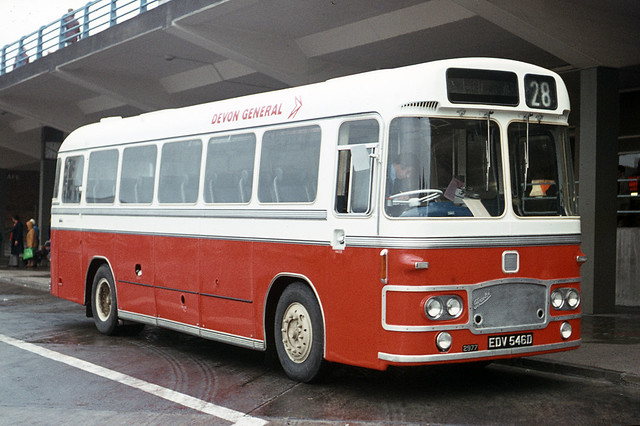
{"points": [[431, 194]]}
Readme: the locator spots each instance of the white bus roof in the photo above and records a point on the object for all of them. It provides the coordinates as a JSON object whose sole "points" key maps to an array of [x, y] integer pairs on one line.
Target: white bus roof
{"points": [[383, 91]]}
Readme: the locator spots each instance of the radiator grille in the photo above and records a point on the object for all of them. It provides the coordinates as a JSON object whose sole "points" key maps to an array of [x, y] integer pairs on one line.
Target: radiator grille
{"points": [[508, 306]]}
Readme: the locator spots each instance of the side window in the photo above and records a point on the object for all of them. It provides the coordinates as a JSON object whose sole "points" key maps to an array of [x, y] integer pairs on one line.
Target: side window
{"points": [[72, 184], [356, 141], [56, 182], [101, 180], [228, 174], [138, 174], [289, 165], [180, 172]]}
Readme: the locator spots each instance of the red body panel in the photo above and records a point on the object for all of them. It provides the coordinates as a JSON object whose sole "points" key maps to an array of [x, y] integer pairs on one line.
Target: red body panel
{"points": [[176, 279], [222, 285], [134, 262], [67, 277], [226, 284]]}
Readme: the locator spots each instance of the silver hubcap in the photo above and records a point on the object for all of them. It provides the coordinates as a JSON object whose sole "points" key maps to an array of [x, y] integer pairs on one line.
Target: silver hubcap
{"points": [[297, 333], [103, 299]]}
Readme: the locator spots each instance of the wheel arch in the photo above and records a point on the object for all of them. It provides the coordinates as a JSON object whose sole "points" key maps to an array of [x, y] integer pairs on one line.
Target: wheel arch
{"points": [[278, 284], [95, 263]]}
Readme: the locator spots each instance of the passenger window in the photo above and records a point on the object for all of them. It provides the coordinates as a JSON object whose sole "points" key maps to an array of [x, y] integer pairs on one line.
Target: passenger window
{"points": [[72, 185], [356, 141], [229, 170], [138, 174], [101, 180], [56, 182], [289, 165], [180, 172]]}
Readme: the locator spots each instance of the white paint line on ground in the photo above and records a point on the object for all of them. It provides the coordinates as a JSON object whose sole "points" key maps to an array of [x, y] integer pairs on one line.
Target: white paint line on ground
{"points": [[227, 414]]}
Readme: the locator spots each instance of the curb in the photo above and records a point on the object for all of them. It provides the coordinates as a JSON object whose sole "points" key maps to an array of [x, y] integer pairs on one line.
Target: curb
{"points": [[35, 283], [567, 369]]}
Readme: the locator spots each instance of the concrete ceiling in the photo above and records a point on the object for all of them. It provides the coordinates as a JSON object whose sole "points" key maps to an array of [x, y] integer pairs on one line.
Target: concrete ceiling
{"points": [[188, 52]]}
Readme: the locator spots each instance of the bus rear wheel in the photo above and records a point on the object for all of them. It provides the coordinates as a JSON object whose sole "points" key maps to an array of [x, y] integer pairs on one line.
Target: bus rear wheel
{"points": [[299, 333], [103, 301]]}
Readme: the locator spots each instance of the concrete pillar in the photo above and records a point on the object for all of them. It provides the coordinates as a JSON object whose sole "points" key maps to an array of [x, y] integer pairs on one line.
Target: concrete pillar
{"points": [[3, 211], [51, 139], [599, 122]]}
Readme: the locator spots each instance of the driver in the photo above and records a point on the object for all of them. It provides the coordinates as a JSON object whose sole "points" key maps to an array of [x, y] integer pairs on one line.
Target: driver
{"points": [[402, 177], [401, 174]]}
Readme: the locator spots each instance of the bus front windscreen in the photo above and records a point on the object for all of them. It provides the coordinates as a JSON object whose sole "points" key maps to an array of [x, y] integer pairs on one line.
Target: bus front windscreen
{"points": [[542, 180], [442, 167]]}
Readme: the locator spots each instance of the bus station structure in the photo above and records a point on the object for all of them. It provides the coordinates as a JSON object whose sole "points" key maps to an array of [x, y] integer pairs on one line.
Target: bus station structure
{"points": [[169, 54]]}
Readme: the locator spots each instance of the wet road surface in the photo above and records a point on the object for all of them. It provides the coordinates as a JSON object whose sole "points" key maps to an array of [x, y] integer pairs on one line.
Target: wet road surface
{"points": [[56, 368]]}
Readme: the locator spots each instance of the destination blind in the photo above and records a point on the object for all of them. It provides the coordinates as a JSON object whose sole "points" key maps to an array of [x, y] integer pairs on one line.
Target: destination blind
{"points": [[478, 86]]}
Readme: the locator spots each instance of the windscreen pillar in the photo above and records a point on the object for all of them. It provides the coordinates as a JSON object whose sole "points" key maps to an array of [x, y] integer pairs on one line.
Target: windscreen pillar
{"points": [[598, 139], [51, 140]]}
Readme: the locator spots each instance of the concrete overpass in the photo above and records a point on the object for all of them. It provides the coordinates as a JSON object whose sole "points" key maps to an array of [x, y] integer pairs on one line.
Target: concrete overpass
{"points": [[186, 52]]}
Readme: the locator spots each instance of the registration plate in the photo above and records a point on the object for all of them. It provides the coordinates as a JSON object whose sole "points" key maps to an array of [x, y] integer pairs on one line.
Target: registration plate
{"points": [[510, 341]]}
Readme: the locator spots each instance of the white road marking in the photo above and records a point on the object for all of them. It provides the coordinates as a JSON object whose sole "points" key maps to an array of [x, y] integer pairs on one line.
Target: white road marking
{"points": [[230, 415]]}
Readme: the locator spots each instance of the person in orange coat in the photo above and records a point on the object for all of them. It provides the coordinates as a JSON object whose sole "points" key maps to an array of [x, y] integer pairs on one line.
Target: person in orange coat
{"points": [[32, 242]]}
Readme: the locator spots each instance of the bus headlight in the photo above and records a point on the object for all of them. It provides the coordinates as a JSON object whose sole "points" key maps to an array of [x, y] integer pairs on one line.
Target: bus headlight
{"points": [[445, 307], [573, 299], [565, 330], [454, 307], [557, 300], [443, 341], [565, 299], [433, 308]]}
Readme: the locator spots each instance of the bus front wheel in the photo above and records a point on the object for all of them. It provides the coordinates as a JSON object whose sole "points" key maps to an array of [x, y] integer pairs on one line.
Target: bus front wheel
{"points": [[103, 301], [299, 334]]}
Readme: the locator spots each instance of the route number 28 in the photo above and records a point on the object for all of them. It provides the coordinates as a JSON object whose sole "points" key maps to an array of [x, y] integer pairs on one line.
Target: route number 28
{"points": [[540, 91]]}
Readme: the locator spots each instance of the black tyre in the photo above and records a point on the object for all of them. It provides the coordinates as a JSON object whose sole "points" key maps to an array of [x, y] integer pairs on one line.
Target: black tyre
{"points": [[299, 333], [103, 301]]}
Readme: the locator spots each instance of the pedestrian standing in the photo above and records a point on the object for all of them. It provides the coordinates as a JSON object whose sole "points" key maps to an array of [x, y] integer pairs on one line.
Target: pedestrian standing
{"points": [[16, 240], [32, 246], [35, 227], [72, 27]]}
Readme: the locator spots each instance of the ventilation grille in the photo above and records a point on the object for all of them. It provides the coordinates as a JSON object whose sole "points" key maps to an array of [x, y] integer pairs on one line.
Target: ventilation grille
{"points": [[510, 262], [430, 105]]}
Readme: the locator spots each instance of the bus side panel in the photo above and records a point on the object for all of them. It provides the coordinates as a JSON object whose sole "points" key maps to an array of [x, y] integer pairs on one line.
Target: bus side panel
{"points": [[176, 279], [271, 260], [53, 263], [68, 276], [347, 285], [97, 244], [134, 273], [352, 306], [226, 281]]}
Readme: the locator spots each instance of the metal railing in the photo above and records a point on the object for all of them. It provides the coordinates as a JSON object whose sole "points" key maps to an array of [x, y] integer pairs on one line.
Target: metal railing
{"points": [[81, 23], [628, 196]]}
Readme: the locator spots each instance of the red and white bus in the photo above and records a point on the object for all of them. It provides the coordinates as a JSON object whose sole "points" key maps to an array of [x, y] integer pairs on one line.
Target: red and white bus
{"points": [[425, 214]]}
